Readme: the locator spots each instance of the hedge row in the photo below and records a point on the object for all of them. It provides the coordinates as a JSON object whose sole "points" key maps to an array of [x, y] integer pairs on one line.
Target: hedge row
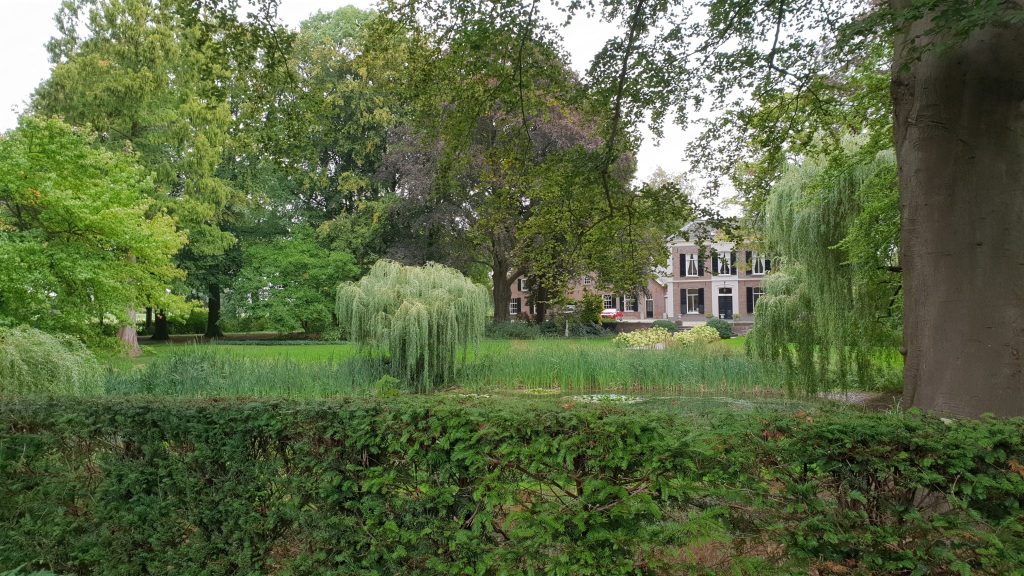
{"points": [[486, 486]]}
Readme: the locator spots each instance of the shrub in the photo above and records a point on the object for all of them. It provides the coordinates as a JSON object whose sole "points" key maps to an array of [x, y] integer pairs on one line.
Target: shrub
{"points": [[667, 325], [723, 328], [643, 338], [489, 486], [34, 362], [698, 335], [193, 323], [512, 330]]}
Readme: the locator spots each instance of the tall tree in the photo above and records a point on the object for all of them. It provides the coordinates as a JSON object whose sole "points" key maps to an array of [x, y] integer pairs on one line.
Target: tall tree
{"points": [[79, 238], [162, 78], [955, 80], [510, 155]]}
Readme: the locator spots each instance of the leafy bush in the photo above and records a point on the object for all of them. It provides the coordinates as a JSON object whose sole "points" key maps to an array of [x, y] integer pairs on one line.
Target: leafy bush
{"points": [[643, 338], [698, 335], [489, 486], [193, 323], [667, 325], [652, 336], [34, 362], [723, 328], [512, 330]]}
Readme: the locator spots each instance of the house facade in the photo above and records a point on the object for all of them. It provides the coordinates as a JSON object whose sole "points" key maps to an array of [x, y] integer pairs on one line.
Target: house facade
{"points": [[719, 279], [648, 305], [722, 280]]}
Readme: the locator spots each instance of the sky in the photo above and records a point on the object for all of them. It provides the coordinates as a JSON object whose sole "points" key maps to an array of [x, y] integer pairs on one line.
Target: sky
{"points": [[29, 24]]}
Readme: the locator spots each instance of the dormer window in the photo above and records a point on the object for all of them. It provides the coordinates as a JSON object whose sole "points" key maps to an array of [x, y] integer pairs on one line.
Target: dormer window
{"points": [[522, 285]]}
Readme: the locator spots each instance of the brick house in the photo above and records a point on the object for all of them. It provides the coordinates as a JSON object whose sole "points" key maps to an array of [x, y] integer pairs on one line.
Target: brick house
{"points": [[724, 282], [648, 305]]}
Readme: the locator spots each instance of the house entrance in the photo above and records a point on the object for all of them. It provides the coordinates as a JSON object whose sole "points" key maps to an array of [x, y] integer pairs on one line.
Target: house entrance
{"points": [[725, 303], [650, 308]]}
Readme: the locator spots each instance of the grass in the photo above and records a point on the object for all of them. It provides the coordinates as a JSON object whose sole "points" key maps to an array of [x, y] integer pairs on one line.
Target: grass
{"points": [[553, 366]]}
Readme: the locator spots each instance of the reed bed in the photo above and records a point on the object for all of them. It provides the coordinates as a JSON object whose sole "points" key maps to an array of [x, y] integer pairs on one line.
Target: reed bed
{"points": [[555, 366]]}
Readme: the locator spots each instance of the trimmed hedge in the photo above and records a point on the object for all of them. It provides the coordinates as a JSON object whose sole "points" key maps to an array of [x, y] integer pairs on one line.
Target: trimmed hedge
{"points": [[489, 486]]}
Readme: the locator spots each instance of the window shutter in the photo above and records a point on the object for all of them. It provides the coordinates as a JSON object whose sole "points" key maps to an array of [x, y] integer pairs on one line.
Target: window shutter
{"points": [[700, 266], [714, 264], [685, 306], [732, 262], [750, 262], [750, 300], [700, 300], [682, 265], [767, 265]]}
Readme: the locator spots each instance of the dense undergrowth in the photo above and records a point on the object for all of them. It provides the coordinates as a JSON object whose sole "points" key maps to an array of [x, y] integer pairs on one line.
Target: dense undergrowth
{"points": [[434, 485]]}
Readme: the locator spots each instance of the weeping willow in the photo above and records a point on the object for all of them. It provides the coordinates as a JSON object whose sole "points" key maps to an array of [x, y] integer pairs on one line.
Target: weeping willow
{"points": [[415, 319], [832, 308]]}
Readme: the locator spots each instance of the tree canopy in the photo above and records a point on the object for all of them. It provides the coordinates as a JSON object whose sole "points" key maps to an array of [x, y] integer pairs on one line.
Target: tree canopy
{"points": [[79, 236]]}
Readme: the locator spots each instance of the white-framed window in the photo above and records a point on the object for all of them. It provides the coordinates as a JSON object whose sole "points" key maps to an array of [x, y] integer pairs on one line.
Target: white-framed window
{"points": [[692, 301], [629, 303], [757, 265], [691, 265], [523, 285], [609, 301], [755, 294], [515, 306], [587, 280], [724, 263]]}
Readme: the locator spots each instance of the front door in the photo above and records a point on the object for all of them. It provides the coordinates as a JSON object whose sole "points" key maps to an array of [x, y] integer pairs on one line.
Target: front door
{"points": [[650, 308], [725, 307]]}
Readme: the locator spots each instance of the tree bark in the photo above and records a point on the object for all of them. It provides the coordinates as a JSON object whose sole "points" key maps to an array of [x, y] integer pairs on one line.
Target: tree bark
{"points": [[129, 336], [501, 292], [161, 331], [213, 317], [540, 304], [149, 320], [959, 134]]}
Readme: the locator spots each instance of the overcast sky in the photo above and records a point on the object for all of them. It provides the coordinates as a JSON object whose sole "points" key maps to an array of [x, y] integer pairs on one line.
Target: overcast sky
{"points": [[29, 24]]}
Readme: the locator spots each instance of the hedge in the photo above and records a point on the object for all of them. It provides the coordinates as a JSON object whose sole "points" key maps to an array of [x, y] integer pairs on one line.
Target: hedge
{"points": [[488, 486]]}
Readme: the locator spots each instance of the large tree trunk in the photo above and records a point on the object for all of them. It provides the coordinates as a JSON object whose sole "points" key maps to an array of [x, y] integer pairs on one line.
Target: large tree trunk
{"points": [[959, 133], [161, 331], [213, 318], [540, 304], [501, 293], [129, 336]]}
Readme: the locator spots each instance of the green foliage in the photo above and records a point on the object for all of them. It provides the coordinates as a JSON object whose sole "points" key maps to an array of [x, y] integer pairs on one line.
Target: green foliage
{"points": [[479, 485], [698, 335], [833, 301], [588, 309], [512, 330], [666, 325], [289, 282], [192, 323], [78, 236], [652, 337], [416, 319], [34, 362], [723, 328], [643, 338]]}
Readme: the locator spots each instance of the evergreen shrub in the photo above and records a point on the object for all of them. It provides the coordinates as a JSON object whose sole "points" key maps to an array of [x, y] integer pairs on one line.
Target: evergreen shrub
{"points": [[472, 485]]}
